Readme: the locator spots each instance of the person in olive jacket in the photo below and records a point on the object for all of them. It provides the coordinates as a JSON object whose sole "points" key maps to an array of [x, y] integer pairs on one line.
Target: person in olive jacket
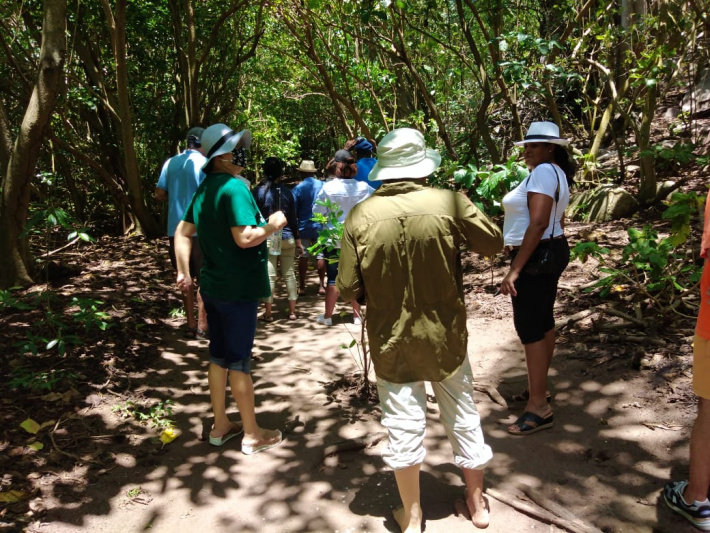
{"points": [[401, 253]]}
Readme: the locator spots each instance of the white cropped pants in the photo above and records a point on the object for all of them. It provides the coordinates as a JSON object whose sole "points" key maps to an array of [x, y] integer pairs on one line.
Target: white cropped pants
{"points": [[404, 408]]}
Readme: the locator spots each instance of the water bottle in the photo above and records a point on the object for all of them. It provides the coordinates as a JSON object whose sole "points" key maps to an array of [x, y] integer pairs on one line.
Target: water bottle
{"points": [[275, 243]]}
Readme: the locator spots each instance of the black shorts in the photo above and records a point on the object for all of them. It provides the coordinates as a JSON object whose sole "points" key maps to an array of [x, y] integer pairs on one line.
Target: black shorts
{"points": [[195, 257], [532, 307]]}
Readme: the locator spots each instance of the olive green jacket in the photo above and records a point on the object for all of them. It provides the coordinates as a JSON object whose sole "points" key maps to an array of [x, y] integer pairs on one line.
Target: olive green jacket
{"points": [[401, 250]]}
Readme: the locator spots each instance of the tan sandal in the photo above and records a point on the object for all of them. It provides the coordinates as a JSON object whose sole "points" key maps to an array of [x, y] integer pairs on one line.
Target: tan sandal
{"points": [[250, 448]]}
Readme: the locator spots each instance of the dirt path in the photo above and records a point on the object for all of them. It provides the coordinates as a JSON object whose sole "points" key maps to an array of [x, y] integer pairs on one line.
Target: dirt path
{"points": [[599, 461]]}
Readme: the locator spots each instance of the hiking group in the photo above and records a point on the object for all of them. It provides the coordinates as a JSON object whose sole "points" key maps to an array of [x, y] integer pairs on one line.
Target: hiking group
{"points": [[398, 263]]}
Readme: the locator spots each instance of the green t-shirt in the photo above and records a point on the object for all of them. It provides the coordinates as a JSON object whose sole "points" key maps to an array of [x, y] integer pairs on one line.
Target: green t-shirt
{"points": [[228, 272]]}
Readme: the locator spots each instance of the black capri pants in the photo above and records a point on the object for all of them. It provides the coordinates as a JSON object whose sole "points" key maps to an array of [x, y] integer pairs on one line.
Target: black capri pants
{"points": [[532, 307]]}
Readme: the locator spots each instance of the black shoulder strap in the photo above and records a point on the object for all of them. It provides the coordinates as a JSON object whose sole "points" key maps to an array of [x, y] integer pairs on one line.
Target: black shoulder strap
{"points": [[557, 198]]}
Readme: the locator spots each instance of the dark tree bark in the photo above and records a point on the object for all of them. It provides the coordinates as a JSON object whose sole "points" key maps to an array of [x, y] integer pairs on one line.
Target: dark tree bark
{"points": [[15, 259]]}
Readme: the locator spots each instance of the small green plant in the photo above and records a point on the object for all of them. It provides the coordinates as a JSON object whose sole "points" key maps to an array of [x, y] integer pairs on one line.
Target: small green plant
{"points": [[156, 416], [672, 157], [39, 381], [332, 229], [177, 312], [650, 267], [89, 314], [9, 301], [329, 240], [486, 187], [134, 492]]}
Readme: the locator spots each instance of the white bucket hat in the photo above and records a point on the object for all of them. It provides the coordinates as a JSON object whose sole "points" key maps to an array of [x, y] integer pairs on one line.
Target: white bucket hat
{"points": [[543, 132], [402, 154], [220, 139]]}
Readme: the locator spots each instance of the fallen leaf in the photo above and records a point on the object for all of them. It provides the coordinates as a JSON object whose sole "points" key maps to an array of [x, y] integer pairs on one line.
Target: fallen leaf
{"points": [[30, 426], [48, 423], [14, 496], [36, 446]]}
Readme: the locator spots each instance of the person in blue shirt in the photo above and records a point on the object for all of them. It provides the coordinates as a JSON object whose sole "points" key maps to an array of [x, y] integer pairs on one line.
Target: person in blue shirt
{"points": [[179, 179], [305, 193], [363, 149]]}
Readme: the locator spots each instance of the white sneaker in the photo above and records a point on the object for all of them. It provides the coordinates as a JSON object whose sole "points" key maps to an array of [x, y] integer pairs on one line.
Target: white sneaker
{"points": [[357, 320], [325, 321]]}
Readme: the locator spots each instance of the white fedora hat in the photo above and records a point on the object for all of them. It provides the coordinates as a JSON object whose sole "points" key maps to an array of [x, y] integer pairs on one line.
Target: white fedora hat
{"points": [[543, 132], [220, 139], [307, 166], [403, 154]]}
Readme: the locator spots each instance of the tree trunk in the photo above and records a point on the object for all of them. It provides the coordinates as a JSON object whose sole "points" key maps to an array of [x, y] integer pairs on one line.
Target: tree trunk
{"points": [[147, 224], [647, 187], [15, 259]]}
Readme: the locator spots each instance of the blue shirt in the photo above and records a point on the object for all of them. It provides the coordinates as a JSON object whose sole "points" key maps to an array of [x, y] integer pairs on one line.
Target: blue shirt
{"points": [[305, 194], [364, 166], [180, 177]]}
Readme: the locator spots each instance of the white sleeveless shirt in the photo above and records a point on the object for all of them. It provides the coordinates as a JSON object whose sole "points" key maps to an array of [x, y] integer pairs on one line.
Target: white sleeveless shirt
{"points": [[544, 179]]}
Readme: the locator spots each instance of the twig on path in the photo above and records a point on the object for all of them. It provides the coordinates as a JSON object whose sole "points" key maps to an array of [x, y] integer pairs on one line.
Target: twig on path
{"points": [[625, 338], [540, 513], [491, 391], [569, 320], [60, 249], [620, 314], [567, 287], [556, 509], [519, 505], [67, 454]]}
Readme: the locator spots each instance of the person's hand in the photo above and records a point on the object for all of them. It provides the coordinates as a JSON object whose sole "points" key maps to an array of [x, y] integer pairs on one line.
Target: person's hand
{"points": [[184, 282], [507, 286], [278, 220], [301, 249]]}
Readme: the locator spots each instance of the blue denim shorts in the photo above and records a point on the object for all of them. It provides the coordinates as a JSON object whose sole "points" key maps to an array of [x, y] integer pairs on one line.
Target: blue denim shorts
{"points": [[232, 328], [331, 268]]}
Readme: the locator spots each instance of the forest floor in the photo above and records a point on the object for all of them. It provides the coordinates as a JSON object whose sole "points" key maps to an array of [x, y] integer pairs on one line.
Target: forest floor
{"points": [[622, 401]]}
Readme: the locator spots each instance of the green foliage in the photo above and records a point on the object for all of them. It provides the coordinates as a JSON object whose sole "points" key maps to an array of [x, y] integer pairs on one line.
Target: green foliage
{"points": [[679, 212], [39, 381], [650, 267], [156, 416], [8, 301], [332, 229], [486, 187], [674, 157], [89, 315], [177, 312], [51, 331]]}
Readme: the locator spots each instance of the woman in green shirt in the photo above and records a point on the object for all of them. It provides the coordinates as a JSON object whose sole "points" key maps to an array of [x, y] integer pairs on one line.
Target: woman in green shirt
{"points": [[232, 235]]}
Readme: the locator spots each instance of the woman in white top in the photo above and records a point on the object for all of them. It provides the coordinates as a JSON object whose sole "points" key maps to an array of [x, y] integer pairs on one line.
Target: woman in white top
{"points": [[345, 191], [533, 227]]}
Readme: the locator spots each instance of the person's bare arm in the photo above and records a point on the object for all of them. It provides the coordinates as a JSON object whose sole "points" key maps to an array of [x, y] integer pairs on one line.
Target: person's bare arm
{"points": [[183, 246], [250, 236], [161, 194]]}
